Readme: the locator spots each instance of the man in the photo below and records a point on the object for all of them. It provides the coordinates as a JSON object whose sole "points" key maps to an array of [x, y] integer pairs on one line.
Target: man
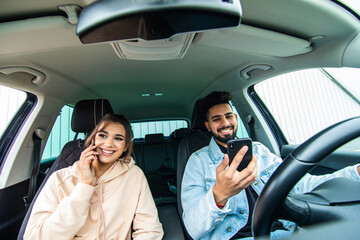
{"points": [[218, 200]]}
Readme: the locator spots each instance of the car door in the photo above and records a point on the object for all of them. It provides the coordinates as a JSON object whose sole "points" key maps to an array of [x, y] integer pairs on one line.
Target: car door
{"points": [[15, 108]]}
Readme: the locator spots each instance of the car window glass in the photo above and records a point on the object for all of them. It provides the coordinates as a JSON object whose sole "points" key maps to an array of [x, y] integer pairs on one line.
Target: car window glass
{"points": [[140, 129], [241, 132], [11, 101], [305, 102], [348, 78], [61, 133], [352, 4]]}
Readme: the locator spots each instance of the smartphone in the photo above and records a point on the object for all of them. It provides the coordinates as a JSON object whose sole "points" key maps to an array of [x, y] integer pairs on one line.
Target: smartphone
{"points": [[91, 144], [233, 147]]}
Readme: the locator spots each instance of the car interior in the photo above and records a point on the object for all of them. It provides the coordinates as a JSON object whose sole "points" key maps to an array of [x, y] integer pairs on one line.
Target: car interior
{"points": [[152, 61]]}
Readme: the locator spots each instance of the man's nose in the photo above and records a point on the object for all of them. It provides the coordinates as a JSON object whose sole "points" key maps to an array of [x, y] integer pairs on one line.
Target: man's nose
{"points": [[224, 121]]}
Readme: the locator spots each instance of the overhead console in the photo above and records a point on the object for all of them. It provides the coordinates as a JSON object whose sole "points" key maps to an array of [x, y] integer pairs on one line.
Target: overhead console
{"points": [[113, 20]]}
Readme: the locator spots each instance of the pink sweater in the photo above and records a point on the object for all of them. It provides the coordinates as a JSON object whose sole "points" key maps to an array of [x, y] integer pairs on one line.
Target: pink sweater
{"points": [[69, 209]]}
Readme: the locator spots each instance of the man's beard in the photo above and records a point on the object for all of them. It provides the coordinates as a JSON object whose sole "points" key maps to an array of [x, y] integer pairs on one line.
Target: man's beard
{"points": [[226, 138]]}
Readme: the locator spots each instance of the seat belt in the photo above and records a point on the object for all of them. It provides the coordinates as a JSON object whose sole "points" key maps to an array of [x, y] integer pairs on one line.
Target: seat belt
{"points": [[251, 123], [38, 135]]}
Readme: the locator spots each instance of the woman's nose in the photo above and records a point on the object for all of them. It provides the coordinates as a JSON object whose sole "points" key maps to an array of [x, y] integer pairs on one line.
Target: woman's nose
{"points": [[108, 142]]}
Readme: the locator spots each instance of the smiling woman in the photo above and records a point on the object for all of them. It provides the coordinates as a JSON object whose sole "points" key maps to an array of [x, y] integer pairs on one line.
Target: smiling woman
{"points": [[75, 200]]}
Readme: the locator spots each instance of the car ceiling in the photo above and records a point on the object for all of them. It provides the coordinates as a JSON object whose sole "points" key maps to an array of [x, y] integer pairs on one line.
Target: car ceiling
{"points": [[213, 61]]}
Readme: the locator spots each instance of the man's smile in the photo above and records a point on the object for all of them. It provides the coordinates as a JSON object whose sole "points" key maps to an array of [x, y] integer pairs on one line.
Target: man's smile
{"points": [[225, 129]]}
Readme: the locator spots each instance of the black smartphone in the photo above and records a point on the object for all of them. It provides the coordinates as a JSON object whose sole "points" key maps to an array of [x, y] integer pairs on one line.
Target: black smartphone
{"points": [[92, 142], [233, 147]]}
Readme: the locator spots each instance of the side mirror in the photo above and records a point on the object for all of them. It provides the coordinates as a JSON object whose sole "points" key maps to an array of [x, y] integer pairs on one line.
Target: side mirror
{"points": [[113, 20]]}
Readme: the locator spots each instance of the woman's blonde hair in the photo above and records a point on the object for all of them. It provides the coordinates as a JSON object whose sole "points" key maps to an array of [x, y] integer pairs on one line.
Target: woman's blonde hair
{"points": [[114, 118]]}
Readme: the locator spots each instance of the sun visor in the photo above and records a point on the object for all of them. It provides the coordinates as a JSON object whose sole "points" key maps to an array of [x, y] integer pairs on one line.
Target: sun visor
{"points": [[37, 34], [113, 20]]}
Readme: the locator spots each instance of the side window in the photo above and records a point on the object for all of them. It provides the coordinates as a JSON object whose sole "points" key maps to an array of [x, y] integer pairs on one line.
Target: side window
{"points": [[11, 101], [61, 133], [305, 102], [140, 129]]}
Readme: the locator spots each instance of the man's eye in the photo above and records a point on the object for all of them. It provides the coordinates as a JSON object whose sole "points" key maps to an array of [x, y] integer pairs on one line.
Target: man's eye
{"points": [[216, 119], [229, 116]]}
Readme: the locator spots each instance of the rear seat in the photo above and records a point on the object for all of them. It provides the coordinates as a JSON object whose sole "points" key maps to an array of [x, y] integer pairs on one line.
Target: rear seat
{"points": [[156, 156]]}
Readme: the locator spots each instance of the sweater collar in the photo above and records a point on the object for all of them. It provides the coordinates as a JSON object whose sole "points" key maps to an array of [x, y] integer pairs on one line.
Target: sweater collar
{"points": [[118, 168]]}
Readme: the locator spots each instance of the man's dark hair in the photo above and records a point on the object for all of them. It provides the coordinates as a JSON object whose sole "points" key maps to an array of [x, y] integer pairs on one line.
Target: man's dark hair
{"points": [[215, 98]]}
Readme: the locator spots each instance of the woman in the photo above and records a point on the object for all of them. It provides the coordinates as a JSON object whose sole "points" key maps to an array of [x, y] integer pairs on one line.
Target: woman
{"points": [[101, 196]]}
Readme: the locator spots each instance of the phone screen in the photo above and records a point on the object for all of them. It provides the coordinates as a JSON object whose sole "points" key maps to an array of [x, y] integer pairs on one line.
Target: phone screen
{"points": [[233, 147]]}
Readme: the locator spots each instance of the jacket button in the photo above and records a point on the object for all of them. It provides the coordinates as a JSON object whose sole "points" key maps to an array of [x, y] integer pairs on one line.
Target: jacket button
{"points": [[241, 212], [229, 229]]}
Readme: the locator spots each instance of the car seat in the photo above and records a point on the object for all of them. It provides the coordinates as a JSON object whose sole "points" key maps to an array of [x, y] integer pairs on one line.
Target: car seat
{"points": [[197, 138], [86, 114]]}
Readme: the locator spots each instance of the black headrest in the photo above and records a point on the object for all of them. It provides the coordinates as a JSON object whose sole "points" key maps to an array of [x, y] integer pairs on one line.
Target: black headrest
{"points": [[87, 113], [154, 138], [198, 116], [179, 133]]}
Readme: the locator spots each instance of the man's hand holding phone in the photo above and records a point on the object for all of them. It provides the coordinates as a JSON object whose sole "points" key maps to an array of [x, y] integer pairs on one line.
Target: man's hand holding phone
{"points": [[229, 181], [85, 165]]}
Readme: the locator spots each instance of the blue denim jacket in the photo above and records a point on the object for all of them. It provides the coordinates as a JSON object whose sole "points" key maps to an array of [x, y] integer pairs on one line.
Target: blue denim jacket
{"points": [[204, 220]]}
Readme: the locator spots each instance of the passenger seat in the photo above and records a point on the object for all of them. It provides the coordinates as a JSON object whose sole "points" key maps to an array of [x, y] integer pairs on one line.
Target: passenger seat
{"points": [[86, 114]]}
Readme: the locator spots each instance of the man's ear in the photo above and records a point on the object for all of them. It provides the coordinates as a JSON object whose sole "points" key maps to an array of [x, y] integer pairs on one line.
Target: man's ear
{"points": [[207, 125]]}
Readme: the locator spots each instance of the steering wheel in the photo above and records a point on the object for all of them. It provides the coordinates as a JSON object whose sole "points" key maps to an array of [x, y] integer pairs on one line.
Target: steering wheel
{"points": [[294, 167]]}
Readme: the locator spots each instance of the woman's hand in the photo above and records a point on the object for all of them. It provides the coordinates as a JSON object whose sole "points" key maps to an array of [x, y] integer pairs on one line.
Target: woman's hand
{"points": [[86, 159]]}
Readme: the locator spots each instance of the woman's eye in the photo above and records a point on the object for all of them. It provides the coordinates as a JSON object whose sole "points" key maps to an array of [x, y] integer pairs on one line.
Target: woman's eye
{"points": [[119, 139], [102, 135]]}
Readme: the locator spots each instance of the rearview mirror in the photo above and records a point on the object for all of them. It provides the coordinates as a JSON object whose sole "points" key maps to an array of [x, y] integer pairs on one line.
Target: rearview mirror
{"points": [[112, 20]]}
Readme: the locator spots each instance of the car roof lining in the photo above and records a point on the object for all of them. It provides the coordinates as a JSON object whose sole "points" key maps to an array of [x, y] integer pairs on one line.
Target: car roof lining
{"points": [[62, 50]]}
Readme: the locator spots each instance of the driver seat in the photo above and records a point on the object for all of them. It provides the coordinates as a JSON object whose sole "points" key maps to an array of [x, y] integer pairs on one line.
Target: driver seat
{"points": [[197, 138]]}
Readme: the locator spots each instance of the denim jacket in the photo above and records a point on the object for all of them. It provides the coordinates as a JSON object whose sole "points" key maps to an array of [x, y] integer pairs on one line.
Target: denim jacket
{"points": [[204, 220]]}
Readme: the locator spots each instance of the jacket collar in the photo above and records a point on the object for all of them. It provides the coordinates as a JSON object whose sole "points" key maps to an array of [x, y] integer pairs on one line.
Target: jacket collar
{"points": [[216, 155]]}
